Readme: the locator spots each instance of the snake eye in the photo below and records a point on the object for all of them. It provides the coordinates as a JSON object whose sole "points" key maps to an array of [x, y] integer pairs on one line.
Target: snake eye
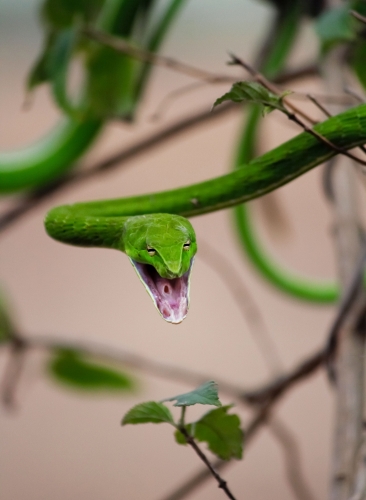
{"points": [[186, 245], [151, 251]]}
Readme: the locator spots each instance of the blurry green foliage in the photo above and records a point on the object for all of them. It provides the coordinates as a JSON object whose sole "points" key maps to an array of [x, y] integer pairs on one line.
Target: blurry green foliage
{"points": [[73, 369]]}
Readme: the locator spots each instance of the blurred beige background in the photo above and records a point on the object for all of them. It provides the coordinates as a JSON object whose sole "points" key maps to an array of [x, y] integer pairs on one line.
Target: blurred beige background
{"points": [[65, 445]]}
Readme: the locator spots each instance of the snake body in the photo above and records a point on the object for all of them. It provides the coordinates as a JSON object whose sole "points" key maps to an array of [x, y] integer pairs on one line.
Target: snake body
{"points": [[103, 223], [56, 152]]}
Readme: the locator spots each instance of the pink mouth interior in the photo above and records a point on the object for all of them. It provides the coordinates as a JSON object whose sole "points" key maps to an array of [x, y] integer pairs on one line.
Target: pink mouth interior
{"points": [[170, 295]]}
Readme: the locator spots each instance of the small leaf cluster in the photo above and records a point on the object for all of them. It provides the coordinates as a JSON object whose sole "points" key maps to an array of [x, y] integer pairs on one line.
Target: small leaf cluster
{"points": [[255, 93], [217, 428]]}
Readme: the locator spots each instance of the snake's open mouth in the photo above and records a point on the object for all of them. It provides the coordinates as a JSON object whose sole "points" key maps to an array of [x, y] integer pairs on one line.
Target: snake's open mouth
{"points": [[170, 296]]}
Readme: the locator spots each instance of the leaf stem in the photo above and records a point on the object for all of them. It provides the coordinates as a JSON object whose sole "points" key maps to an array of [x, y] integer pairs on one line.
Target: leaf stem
{"points": [[182, 417], [293, 117]]}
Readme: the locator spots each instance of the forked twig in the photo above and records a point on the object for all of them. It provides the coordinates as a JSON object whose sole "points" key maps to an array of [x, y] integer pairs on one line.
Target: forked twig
{"points": [[293, 114], [327, 113], [258, 77]]}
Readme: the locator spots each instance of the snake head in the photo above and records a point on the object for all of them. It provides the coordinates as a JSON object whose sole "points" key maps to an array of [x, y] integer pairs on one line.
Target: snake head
{"points": [[161, 248]]}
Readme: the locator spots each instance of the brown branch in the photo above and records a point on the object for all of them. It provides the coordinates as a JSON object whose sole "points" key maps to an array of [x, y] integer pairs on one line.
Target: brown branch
{"points": [[320, 106], [258, 77], [295, 111], [327, 113]]}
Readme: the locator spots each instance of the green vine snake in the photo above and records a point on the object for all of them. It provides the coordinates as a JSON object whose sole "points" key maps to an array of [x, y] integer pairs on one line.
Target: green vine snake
{"points": [[152, 230], [162, 261]]}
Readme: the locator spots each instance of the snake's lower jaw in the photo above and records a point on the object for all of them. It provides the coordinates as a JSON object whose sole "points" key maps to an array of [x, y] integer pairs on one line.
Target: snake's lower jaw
{"points": [[170, 296]]}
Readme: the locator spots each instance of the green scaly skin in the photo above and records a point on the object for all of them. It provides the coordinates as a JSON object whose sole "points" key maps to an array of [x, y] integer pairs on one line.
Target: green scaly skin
{"points": [[103, 223]]}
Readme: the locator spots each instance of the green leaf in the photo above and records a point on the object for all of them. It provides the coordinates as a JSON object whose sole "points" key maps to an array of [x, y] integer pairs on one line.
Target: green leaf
{"points": [[256, 93], [150, 412], [74, 370], [220, 431], [205, 394], [334, 26]]}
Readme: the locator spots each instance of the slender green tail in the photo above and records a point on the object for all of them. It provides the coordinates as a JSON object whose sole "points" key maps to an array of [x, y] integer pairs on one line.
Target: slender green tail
{"points": [[281, 278]]}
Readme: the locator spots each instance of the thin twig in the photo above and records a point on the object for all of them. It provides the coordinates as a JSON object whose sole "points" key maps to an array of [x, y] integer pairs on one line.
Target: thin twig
{"points": [[353, 93], [248, 307], [221, 482], [13, 371], [292, 458], [258, 77], [295, 111], [128, 359], [327, 113], [276, 388], [321, 138], [297, 73], [121, 45], [164, 104], [345, 307], [314, 100], [358, 16], [251, 430]]}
